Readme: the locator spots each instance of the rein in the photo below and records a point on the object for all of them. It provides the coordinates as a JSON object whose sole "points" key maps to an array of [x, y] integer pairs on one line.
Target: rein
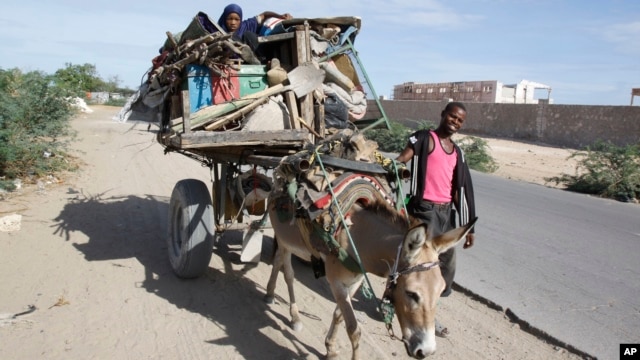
{"points": [[386, 305]]}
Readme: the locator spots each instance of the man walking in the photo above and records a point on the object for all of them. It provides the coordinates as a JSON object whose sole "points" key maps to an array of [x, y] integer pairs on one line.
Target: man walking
{"points": [[441, 185]]}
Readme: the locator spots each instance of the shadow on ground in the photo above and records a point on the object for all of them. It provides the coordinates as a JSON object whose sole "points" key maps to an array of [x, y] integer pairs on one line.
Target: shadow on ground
{"points": [[135, 227]]}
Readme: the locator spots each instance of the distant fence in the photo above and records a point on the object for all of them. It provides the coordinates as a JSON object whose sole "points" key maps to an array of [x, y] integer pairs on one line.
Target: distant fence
{"points": [[103, 96], [572, 126]]}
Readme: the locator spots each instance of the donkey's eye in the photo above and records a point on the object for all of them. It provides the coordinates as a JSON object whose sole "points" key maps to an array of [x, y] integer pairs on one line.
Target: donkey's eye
{"points": [[414, 296]]}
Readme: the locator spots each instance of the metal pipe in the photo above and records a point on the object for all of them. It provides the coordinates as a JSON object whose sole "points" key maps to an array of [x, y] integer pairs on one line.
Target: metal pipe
{"points": [[297, 163], [263, 160]]}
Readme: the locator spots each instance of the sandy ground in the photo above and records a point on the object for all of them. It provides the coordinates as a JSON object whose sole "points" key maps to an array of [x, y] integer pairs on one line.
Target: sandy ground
{"points": [[89, 254], [530, 162]]}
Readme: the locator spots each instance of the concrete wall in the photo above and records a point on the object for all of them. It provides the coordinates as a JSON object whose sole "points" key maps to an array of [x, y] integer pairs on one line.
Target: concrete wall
{"points": [[573, 126]]}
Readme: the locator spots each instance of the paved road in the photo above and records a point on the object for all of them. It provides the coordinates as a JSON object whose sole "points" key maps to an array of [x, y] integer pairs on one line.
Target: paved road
{"points": [[566, 263]]}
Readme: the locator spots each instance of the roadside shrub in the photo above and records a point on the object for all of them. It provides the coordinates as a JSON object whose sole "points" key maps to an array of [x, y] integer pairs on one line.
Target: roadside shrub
{"points": [[393, 140], [34, 125], [427, 125], [605, 170], [7, 185], [476, 152]]}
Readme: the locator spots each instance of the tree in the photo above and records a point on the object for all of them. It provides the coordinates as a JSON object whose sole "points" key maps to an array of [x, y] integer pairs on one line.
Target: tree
{"points": [[112, 84], [79, 79]]}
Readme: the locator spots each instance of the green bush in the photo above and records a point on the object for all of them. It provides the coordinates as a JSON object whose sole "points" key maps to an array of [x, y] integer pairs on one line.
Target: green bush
{"points": [[605, 170], [7, 185], [477, 154], [34, 125], [393, 140], [427, 125]]}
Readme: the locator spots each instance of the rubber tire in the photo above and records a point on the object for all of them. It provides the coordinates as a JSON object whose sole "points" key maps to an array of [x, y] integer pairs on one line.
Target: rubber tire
{"points": [[191, 232]]}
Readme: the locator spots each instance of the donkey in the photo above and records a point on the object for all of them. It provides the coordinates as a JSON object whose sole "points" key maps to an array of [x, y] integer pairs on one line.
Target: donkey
{"points": [[388, 245]]}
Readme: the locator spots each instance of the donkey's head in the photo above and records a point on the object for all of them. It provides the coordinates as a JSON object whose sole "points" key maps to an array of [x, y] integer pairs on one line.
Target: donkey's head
{"points": [[415, 286]]}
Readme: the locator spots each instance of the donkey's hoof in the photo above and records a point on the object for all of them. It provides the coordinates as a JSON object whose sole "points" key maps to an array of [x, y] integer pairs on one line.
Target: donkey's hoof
{"points": [[268, 299], [332, 356], [296, 326]]}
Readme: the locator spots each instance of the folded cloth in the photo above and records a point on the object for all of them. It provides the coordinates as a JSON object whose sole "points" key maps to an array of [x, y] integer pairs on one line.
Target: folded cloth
{"points": [[356, 101]]}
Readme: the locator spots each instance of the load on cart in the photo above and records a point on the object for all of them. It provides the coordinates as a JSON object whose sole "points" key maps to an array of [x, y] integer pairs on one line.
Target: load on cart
{"points": [[242, 113]]}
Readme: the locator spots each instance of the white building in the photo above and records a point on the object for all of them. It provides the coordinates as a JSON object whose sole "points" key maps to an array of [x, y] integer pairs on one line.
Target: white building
{"points": [[524, 92], [491, 91]]}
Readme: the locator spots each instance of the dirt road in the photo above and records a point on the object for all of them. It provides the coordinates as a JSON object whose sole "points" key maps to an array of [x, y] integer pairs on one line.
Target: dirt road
{"points": [[90, 254]]}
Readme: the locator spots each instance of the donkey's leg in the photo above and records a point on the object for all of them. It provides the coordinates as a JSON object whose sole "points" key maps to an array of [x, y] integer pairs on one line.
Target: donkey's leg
{"points": [[353, 329], [343, 285], [330, 340], [282, 260], [278, 260], [296, 324], [344, 312]]}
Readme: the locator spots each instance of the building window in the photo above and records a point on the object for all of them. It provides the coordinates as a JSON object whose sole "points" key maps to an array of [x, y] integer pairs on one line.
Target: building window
{"points": [[443, 90], [486, 89], [419, 91], [430, 91], [470, 89], [408, 89]]}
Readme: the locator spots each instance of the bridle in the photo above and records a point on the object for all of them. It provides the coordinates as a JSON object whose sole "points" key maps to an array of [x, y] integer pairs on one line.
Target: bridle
{"points": [[386, 305]]}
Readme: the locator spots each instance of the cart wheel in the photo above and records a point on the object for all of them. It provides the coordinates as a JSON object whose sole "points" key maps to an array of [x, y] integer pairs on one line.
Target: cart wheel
{"points": [[191, 232]]}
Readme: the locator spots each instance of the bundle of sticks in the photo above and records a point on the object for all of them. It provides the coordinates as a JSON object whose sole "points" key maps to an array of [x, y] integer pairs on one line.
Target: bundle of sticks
{"points": [[214, 50]]}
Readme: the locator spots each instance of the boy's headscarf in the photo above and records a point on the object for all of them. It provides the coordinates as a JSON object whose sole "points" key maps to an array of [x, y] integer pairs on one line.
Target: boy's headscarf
{"points": [[229, 9]]}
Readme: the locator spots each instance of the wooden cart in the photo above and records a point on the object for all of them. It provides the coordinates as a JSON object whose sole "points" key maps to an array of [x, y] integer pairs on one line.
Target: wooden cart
{"points": [[198, 217]]}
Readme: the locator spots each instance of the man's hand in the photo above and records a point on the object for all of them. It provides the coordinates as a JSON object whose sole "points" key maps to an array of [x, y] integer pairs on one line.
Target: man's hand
{"points": [[469, 242]]}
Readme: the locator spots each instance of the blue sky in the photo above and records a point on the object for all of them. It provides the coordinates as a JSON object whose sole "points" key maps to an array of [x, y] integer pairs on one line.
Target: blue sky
{"points": [[588, 51]]}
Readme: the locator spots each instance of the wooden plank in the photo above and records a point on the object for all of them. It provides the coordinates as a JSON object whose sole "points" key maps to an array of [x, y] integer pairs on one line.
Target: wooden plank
{"points": [[304, 56], [301, 46], [222, 121], [209, 114], [176, 107], [186, 112], [292, 106], [276, 37], [318, 110], [218, 139]]}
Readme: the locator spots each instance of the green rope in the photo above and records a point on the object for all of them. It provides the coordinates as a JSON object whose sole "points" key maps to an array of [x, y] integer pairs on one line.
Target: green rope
{"points": [[367, 289], [388, 311], [334, 248], [400, 201]]}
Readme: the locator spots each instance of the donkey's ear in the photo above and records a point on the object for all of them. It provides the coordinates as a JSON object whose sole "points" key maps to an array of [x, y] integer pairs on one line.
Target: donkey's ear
{"points": [[444, 242], [414, 240]]}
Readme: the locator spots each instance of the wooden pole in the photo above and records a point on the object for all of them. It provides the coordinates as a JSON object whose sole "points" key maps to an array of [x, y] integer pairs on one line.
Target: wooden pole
{"points": [[220, 122]]}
